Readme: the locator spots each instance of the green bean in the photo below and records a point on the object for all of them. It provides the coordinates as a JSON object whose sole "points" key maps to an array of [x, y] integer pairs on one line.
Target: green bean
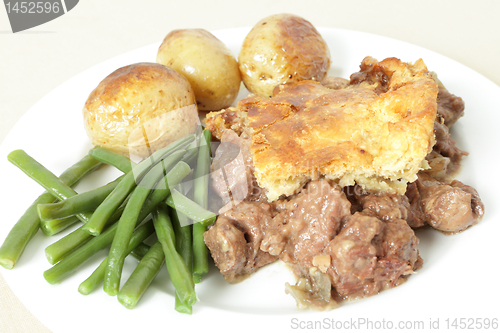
{"points": [[202, 171], [183, 237], [162, 188], [44, 177], [191, 209], [64, 246], [78, 237], [181, 307], [52, 227], [60, 249], [21, 233], [191, 152], [140, 251], [200, 252], [183, 245], [69, 243], [107, 156], [87, 286], [71, 263], [75, 259], [80, 203], [179, 273], [200, 196], [140, 279], [127, 222], [106, 209], [128, 183], [82, 168], [29, 223]]}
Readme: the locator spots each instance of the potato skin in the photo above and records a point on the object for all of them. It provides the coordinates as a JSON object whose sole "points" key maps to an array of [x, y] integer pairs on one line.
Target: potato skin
{"points": [[139, 109], [207, 64], [282, 48]]}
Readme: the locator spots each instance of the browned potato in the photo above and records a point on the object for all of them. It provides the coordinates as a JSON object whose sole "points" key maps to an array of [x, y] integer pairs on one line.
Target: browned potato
{"points": [[139, 109], [282, 48], [207, 64]]}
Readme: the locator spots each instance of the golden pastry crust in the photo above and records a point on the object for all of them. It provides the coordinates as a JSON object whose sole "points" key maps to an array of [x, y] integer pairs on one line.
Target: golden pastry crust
{"points": [[376, 132]]}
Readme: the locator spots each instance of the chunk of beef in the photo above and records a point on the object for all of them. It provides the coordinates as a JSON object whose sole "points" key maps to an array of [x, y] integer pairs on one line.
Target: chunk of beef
{"points": [[439, 166], [416, 216], [306, 224], [352, 193], [388, 206], [446, 147], [369, 255], [232, 169], [235, 238], [385, 206], [449, 106], [449, 207], [228, 248], [229, 160], [476, 203]]}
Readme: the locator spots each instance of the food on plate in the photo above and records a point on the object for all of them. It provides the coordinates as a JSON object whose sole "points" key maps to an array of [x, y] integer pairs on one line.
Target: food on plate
{"points": [[282, 48], [234, 241], [448, 206], [139, 109], [136, 211], [333, 177], [376, 132], [28, 224], [329, 175], [207, 64]]}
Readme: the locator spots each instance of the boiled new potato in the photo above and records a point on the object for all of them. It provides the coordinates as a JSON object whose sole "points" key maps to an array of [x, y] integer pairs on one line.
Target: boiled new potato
{"points": [[139, 109], [207, 64], [282, 48]]}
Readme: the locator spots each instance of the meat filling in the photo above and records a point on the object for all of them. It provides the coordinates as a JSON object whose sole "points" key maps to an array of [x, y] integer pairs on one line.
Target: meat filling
{"points": [[235, 239], [232, 174], [386, 206], [449, 106], [446, 147], [416, 216], [449, 207], [369, 255], [339, 242], [306, 224]]}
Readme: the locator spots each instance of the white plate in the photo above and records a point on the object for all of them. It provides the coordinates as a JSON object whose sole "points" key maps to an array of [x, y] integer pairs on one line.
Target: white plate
{"points": [[458, 278]]}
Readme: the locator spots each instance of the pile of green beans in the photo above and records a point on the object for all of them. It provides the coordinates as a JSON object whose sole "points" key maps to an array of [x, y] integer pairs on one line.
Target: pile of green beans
{"points": [[27, 226], [140, 207]]}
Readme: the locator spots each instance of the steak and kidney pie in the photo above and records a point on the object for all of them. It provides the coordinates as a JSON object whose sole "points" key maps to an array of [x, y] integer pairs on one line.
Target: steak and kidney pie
{"points": [[334, 177]]}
